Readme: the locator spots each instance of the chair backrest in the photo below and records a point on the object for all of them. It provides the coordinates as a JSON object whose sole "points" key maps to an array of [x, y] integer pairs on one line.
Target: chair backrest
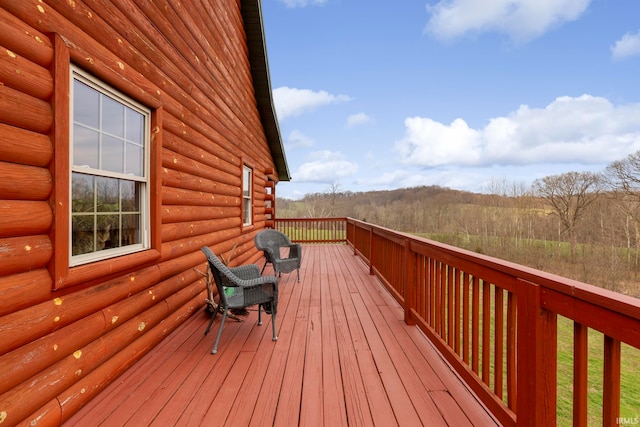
{"points": [[219, 272], [272, 239]]}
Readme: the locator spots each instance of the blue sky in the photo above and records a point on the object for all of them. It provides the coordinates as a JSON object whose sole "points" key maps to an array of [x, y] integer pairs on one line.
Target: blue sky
{"points": [[375, 95]]}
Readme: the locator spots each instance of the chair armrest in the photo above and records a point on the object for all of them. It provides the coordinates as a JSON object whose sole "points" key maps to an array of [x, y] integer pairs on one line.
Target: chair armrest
{"points": [[295, 250], [271, 255], [259, 281]]}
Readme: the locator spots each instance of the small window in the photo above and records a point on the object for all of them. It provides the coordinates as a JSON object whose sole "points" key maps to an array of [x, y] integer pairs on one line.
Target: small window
{"points": [[109, 172], [247, 195]]}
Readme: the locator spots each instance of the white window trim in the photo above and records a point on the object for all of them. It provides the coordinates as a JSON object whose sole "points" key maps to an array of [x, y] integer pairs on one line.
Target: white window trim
{"points": [[247, 199], [145, 217]]}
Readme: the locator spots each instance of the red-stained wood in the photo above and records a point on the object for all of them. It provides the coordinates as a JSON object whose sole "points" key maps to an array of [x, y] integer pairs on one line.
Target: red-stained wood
{"points": [[498, 354], [34, 114], [537, 371], [23, 40], [475, 325], [580, 372], [59, 167], [512, 375], [486, 331], [13, 288], [375, 362], [611, 383], [24, 75], [183, 163], [24, 182], [24, 147], [48, 350], [180, 179], [174, 213], [15, 222], [466, 317], [20, 254]]}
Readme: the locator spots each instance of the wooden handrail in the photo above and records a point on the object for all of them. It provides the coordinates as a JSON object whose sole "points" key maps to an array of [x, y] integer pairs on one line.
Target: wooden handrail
{"points": [[496, 322]]}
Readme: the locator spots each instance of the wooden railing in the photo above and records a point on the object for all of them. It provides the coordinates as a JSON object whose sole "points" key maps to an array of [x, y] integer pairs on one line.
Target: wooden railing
{"points": [[313, 230], [497, 322]]}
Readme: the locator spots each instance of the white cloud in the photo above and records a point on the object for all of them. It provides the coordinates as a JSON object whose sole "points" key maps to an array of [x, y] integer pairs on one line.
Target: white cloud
{"points": [[522, 20], [628, 45], [358, 119], [302, 3], [585, 129], [387, 179], [326, 167], [297, 139], [292, 102]]}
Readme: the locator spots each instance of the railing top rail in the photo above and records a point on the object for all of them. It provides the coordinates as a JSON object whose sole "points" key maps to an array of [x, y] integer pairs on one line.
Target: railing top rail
{"points": [[611, 300]]}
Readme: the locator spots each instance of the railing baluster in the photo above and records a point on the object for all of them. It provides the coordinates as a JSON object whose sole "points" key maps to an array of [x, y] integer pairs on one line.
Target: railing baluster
{"points": [[511, 351], [456, 313], [611, 382], [475, 326], [465, 317], [451, 278], [498, 353], [486, 332], [580, 365]]}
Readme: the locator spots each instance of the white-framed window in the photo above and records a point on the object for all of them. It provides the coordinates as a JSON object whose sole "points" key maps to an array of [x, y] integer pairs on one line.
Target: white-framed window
{"points": [[247, 195], [109, 171]]}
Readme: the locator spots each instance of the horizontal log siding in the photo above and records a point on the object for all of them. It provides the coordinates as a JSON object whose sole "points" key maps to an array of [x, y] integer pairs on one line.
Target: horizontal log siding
{"points": [[59, 349]]}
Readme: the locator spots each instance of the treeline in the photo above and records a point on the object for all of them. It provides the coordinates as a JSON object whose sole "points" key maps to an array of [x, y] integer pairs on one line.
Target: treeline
{"points": [[584, 226]]}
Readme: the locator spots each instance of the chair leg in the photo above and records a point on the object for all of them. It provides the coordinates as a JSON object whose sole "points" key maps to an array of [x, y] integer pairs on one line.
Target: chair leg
{"points": [[224, 317], [273, 327], [298, 271], [259, 314], [264, 266], [213, 316]]}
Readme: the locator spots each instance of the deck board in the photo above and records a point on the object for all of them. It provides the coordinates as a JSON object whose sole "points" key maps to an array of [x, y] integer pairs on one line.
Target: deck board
{"points": [[344, 356]]}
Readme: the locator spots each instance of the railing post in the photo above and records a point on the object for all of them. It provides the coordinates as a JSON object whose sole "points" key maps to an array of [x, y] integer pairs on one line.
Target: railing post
{"points": [[409, 282], [372, 248], [536, 359]]}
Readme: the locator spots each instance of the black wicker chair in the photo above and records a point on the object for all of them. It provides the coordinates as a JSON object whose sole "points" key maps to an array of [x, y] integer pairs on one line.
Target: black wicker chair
{"points": [[242, 287], [270, 242]]}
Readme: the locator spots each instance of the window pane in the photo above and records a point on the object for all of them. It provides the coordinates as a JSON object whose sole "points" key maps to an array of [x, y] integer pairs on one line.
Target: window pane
{"points": [[108, 195], [86, 105], [246, 211], [107, 232], [130, 229], [246, 181], [85, 147], [86, 237], [130, 196], [134, 160], [135, 126], [82, 234], [112, 117], [112, 154], [82, 195]]}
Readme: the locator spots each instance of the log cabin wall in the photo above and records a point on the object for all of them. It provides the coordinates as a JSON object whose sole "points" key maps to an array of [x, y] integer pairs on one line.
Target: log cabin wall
{"points": [[67, 332]]}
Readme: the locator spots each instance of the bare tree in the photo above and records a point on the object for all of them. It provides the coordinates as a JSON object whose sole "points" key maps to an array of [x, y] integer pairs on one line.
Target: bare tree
{"points": [[623, 179], [569, 194]]}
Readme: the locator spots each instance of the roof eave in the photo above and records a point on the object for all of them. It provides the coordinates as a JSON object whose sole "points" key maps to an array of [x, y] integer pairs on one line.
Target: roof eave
{"points": [[252, 16]]}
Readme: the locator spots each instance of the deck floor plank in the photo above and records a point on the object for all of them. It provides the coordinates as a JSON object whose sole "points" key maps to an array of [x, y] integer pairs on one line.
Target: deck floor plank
{"points": [[344, 356]]}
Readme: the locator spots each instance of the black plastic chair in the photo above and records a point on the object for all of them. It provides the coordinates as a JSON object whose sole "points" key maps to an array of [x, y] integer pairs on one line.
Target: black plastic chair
{"points": [[239, 288], [270, 242]]}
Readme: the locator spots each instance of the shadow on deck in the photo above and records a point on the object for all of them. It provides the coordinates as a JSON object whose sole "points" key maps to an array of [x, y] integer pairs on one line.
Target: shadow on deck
{"points": [[344, 357]]}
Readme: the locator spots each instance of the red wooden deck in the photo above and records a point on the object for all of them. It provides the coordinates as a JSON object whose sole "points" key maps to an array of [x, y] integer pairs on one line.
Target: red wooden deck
{"points": [[344, 356]]}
